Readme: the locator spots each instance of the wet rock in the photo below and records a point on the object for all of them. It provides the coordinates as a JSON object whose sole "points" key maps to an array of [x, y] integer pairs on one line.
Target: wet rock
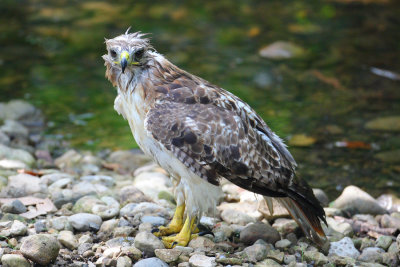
{"points": [[168, 255], [16, 207], [283, 244], [130, 194], [68, 240], [384, 124], [321, 196], [16, 154], [152, 183], [201, 243], [236, 217], [390, 222], [24, 185], [198, 260], [147, 243], [355, 200], [42, 248], [371, 255], [85, 221], [318, 258], [255, 231], [344, 248], [281, 50], [14, 260], [256, 252], [124, 262], [151, 262], [384, 242]]}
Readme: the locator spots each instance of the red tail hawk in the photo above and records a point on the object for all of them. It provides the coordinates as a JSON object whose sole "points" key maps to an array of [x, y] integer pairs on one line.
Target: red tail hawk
{"points": [[199, 133]]}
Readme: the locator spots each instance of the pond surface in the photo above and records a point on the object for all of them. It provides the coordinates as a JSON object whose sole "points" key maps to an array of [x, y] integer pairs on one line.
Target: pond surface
{"points": [[321, 101]]}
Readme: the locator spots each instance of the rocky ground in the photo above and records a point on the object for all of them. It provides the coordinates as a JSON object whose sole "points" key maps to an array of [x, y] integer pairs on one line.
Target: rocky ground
{"points": [[76, 208]]}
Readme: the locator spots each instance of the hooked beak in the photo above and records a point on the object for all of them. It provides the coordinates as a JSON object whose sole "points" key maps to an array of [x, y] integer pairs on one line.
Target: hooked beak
{"points": [[124, 60]]}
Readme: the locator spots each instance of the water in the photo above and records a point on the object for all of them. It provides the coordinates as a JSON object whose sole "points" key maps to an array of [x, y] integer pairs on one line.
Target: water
{"points": [[51, 55]]}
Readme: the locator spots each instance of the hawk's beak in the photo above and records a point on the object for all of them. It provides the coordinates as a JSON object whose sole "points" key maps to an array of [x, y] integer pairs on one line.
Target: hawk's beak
{"points": [[124, 60]]}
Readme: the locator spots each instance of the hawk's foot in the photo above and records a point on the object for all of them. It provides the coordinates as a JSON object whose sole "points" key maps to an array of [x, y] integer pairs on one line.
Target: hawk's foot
{"points": [[174, 226], [184, 236]]}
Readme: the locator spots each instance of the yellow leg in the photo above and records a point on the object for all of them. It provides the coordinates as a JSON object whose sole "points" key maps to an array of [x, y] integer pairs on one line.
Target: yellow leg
{"points": [[184, 236], [174, 226]]}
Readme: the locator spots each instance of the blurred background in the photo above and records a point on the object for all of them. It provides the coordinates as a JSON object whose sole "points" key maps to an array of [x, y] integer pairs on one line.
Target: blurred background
{"points": [[323, 74]]}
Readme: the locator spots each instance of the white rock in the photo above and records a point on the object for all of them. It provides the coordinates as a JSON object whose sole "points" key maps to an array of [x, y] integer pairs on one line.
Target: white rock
{"points": [[147, 243], [344, 248], [16, 154], [18, 228], [152, 183], [68, 240], [150, 262], [198, 260], [24, 185], [12, 164], [85, 221]]}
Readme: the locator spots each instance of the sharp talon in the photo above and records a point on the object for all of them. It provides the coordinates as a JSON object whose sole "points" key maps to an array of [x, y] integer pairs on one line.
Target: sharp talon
{"points": [[155, 230], [207, 232]]}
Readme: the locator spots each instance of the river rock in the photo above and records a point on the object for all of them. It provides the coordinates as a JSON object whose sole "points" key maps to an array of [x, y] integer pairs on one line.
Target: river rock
{"points": [[101, 179], [147, 243], [14, 260], [384, 242], [168, 255], [154, 220], [255, 231], [233, 216], [151, 262], [17, 229], [198, 260], [271, 263], [201, 243], [130, 194], [371, 254], [69, 160], [356, 200], [152, 183], [124, 261], [145, 208], [14, 129], [342, 227], [283, 244], [85, 221], [321, 196], [68, 240], [16, 207], [24, 185], [318, 258], [16, 154], [42, 248], [59, 223], [128, 161], [388, 221], [17, 110], [256, 252], [344, 248]]}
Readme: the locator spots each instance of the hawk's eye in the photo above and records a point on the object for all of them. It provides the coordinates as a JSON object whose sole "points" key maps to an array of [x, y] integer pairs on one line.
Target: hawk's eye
{"points": [[139, 54], [113, 53]]}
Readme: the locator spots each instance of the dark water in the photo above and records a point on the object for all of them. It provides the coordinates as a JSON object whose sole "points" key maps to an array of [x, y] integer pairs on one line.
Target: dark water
{"points": [[51, 55]]}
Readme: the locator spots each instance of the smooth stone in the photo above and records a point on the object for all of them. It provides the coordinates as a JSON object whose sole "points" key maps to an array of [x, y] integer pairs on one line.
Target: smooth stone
{"points": [[154, 220], [285, 226], [68, 160], [107, 227], [168, 255], [355, 200], [124, 261], [23, 184], [86, 203], [201, 243], [12, 164], [236, 217], [85, 221], [102, 179], [85, 239], [368, 218], [41, 248], [131, 209], [289, 258], [147, 243], [198, 260], [281, 50], [59, 223], [384, 242], [342, 227], [256, 252], [371, 254], [283, 244], [151, 262], [388, 221], [60, 184], [152, 183], [82, 248], [276, 255], [128, 160], [16, 154], [321, 196], [14, 129], [316, 257], [120, 242], [18, 228], [40, 226], [17, 110], [366, 243], [130, 194], [255, 231], [105, 212], [54, 177], [14, 260], [344, 248], [68, 240], [16, 207], [268, 263]]}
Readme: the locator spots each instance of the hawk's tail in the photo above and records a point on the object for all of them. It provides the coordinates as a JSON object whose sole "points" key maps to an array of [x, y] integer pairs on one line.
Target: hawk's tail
{"points": [[308, 216]]}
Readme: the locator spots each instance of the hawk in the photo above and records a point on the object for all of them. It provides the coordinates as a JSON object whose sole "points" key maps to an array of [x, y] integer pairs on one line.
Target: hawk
{"points": [[199, 133]]}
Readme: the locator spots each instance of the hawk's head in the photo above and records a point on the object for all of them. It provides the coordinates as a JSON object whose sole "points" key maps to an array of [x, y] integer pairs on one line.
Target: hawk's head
{"points": [[127, 52]]}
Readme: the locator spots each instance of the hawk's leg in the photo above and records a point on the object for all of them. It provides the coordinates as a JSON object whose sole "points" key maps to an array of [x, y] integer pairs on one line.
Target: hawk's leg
{"points": [[174, 226], [184, 236]]}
